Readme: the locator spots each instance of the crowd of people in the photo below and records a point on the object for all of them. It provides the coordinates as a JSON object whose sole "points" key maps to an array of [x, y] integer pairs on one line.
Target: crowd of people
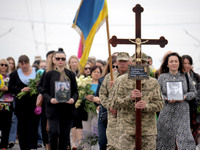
{"points": [[39, 103]]}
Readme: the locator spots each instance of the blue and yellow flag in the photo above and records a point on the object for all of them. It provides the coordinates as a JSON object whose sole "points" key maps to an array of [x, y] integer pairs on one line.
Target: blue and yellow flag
{"points": [[89, 18]]}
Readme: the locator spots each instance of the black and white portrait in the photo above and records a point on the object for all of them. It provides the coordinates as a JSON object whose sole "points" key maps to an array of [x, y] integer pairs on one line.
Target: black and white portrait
{"points": [[175, 91]]}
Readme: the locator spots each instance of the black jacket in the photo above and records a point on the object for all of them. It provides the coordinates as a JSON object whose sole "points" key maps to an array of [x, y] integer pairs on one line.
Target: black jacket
{"points": [[26, 105], [63, 109]]}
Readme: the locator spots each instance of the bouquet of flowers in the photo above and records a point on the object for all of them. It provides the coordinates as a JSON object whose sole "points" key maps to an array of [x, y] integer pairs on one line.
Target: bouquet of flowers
{"points": [[3, 81], [33, 87], [152, 71], [84, 88]]}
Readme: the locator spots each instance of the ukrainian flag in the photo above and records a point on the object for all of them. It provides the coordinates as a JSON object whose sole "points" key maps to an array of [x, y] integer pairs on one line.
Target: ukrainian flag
{"points": [[89, 18]]}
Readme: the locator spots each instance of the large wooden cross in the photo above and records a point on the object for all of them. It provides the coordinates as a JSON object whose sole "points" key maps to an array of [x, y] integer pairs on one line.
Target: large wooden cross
{"points": [[138, 42]]}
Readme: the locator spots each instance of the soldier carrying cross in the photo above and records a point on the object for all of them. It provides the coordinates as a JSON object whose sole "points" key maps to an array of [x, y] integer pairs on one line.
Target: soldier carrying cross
{"points": [[125, 94], [137, 126]]}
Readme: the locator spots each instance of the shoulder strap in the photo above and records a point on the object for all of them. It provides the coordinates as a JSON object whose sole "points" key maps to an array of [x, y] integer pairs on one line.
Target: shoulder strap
{"points": [[187, 79]]}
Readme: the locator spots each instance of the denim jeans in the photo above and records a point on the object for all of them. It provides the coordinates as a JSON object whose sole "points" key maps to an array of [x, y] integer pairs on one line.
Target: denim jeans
{"points": [[13, 129], [39, 133], [102, 125]]}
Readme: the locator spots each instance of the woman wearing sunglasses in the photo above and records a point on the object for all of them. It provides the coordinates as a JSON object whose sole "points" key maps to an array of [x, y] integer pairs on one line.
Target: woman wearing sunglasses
{"points": [[59, 109], [6, 106]]}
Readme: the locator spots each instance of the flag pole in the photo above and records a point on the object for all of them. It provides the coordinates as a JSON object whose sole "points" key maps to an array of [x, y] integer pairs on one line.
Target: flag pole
{"points": [[109, 49]]}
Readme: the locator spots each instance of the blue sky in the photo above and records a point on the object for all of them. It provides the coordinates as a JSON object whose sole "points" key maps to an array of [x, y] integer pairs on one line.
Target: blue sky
{"points": [[33, 27]]}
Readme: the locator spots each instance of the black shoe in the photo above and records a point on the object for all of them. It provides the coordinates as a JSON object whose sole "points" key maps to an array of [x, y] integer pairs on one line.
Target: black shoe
{"points": [[11, 144], [39, 145]]}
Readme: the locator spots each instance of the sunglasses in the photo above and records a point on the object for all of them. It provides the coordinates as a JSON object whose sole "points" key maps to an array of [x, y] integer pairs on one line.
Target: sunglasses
{"points": [[58, 58], [115, 66], [87, 68], [4, 65]]}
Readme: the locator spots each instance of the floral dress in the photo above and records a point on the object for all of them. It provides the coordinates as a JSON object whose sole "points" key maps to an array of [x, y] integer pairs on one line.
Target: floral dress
{"points": [[6, 108], [174, 121], [6, 98]]}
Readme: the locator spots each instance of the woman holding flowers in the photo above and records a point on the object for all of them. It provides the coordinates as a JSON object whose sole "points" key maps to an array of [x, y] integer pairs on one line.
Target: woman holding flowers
{"points": [[6, 106], [91, 123], [24, 106], [59, 114], [81, 114]]}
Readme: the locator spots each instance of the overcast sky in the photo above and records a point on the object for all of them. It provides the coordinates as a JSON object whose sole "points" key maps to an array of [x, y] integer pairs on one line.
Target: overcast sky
{"points": [[33, 27]]}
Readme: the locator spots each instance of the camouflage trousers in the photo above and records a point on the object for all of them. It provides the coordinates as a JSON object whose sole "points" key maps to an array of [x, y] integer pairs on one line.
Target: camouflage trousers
{"points": [[111, 132], [127, 142]]}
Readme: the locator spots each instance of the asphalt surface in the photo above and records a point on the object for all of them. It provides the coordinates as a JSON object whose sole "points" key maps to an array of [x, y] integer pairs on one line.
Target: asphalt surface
{"points": [[16, 147]]}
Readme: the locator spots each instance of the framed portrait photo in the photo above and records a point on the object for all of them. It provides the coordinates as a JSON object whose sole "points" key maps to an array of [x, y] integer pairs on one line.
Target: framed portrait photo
{"points": [[175, 90], [62, 91]]}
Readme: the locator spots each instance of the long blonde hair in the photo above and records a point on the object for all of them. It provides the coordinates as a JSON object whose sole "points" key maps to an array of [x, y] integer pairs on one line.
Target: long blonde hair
{"points": [[11, 58]]}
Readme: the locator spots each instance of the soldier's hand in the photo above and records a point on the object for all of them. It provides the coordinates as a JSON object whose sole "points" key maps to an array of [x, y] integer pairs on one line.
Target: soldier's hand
{"points": [[70, 101], [111, 83], [136, 94], [54, 101], [140, 105], [113, 111]]}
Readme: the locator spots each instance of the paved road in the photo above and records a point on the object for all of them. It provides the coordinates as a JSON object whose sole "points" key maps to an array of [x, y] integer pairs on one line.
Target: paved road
{"points": [[16, 147]]}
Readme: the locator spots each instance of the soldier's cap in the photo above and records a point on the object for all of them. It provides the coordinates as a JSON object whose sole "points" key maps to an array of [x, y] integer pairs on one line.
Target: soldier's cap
{"points": [[123, 56], [144, 57]]}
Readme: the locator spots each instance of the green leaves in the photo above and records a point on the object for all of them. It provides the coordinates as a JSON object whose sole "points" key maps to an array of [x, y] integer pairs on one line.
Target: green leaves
{"points": [[33, 87]]}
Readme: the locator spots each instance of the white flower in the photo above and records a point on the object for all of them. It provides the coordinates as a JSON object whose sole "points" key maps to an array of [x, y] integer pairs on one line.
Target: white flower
{"points": [[6, 79], [79, 84]]}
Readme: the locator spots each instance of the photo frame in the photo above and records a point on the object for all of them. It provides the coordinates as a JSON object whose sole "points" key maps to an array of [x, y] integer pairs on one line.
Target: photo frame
{"points": [[175, 90], [62, 91]]}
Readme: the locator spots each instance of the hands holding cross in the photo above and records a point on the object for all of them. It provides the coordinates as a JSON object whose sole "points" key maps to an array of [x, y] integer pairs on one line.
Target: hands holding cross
{"points": [[137, 94]]}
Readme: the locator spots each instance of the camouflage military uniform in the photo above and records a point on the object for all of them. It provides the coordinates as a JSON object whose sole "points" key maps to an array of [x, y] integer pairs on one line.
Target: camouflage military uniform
{"points": [[126, 122], [62, 95], [104, 97]]}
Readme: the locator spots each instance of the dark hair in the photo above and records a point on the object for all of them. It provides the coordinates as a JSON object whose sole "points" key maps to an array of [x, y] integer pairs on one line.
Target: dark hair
{"points": [[94, 68], [23, 59], [107, 70], [188, 58], [101, 62], [61, 49], [50, 52], [165, 69], [36, 64]]}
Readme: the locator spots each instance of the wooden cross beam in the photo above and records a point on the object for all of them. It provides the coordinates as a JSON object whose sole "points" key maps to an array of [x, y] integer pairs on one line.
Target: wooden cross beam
{"points": [[138, 42]]}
